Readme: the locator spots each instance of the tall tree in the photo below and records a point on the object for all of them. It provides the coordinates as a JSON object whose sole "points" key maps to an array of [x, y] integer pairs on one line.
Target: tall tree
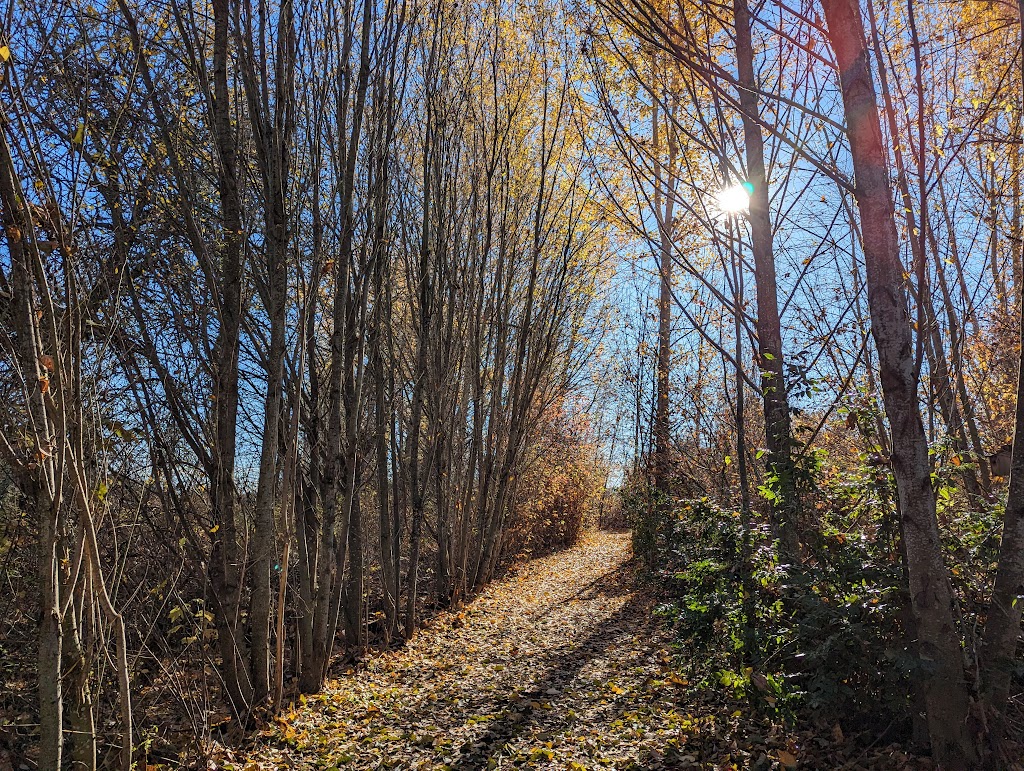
{"points": [[945, 687], [769, 326], [665, 186]]}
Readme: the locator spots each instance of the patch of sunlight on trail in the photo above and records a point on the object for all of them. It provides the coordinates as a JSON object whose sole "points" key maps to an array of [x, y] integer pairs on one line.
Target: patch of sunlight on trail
{"points": [[553, 666]]}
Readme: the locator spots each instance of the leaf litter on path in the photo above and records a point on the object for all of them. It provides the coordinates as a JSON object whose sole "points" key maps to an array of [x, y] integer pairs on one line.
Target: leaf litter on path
{"points": [[563, 665]]}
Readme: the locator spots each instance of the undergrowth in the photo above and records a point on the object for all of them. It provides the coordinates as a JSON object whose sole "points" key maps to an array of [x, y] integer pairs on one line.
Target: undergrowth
{"points": [[826, 639]]}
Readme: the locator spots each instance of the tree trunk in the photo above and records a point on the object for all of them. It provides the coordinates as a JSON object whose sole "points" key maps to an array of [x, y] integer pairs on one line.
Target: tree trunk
{"points": [[275, 122], [388, 556], [81, 720], [48, 657], [945, 690], [664, 205], [933, 343], [225, 557], [769, 326], [35, 486], [264, 541]]}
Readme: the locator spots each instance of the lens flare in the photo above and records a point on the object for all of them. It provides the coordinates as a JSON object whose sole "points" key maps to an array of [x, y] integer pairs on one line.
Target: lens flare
{"points": [[735, 199]]}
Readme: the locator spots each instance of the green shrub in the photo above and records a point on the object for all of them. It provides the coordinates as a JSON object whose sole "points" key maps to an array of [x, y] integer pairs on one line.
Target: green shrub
{"points": [[817, 637]]}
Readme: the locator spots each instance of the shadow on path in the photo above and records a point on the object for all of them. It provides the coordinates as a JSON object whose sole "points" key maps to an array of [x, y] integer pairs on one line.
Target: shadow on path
{"points": [[519, 713]]}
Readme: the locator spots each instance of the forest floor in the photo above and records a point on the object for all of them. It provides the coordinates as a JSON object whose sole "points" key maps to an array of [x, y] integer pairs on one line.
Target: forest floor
{"points": [[562, 665]]}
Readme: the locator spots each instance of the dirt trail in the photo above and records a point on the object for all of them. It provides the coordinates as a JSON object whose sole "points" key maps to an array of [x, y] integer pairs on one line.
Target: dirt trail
{"points": [[563, 665], [557, 666]]}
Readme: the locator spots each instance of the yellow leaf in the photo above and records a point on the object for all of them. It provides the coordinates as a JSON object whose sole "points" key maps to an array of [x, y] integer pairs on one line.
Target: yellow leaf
{"points": [[5, 53], [79, 136]]}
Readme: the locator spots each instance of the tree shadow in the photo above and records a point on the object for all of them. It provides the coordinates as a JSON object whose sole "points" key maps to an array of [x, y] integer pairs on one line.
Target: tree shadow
{"points": [[518, 712], [614, 583]]}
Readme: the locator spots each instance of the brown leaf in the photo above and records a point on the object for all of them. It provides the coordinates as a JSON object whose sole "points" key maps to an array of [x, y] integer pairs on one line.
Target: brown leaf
{"points": [[760, 682]]}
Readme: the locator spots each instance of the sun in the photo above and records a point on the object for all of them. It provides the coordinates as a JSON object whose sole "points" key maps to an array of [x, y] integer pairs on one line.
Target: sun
{"points": [[735, 199]]}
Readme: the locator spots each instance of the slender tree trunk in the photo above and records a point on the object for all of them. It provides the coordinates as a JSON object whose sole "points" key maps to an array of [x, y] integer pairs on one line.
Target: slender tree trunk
{"points": [[934, 345], [36, 487], [443, 589], [264, 541], [769, 325], [290, 502], [664, 205], [81, 720], [750, 654], [355, 635], [383, 398], [424, 309], [416, 501], [225, 557], [275, 124], [389, 559], [945, 688], [50, 640]]}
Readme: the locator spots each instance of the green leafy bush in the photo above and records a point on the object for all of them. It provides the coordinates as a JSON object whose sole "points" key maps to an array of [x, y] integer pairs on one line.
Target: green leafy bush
{"points": [[815, 637]]}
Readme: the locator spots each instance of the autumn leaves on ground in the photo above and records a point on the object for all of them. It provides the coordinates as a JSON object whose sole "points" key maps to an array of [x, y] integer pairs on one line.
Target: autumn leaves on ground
{"points": [[562, 665]]}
